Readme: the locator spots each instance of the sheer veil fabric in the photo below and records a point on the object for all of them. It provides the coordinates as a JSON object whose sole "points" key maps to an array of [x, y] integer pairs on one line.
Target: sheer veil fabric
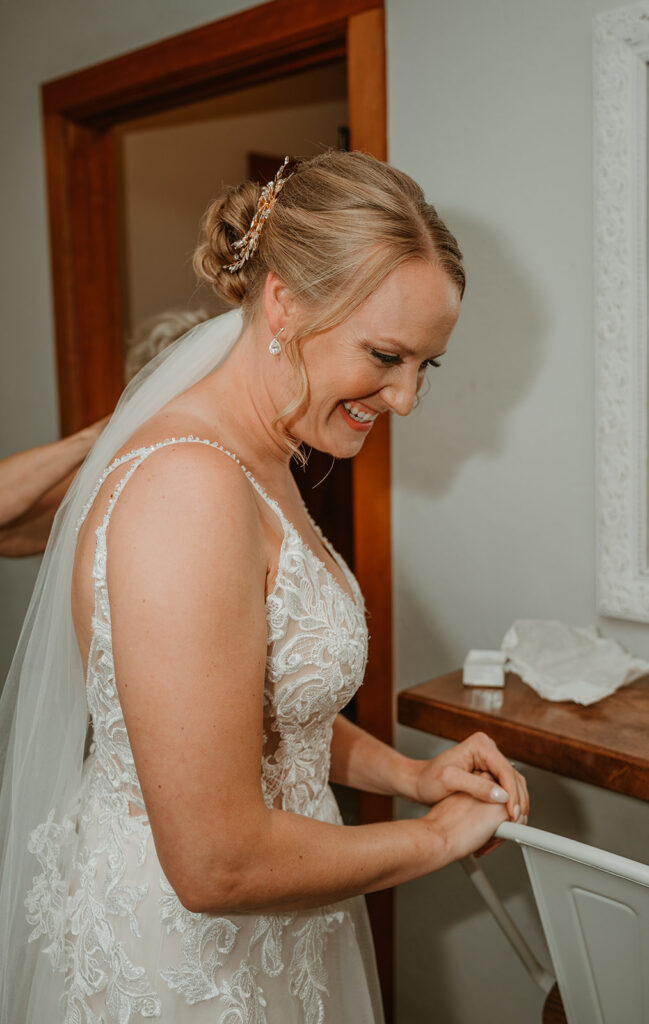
{"points": [[43, 709]]}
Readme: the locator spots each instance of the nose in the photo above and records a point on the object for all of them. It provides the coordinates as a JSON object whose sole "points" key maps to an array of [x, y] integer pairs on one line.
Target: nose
{"points": [[400, 395]]}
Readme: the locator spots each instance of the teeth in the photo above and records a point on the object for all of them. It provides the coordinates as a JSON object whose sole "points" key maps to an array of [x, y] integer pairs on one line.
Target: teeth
{"points": [[359, 414]]}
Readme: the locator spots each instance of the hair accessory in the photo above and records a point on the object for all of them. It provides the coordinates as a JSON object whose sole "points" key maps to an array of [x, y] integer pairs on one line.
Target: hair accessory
{"points": [[275, 348], [248, 244]]}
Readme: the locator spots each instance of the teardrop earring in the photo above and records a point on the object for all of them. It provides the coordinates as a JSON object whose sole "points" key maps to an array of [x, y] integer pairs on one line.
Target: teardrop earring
{"points": [[275, 348]]}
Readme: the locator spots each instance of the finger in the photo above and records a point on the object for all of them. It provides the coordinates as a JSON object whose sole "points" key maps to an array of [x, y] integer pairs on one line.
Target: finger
{"points": [[524, 794], [477, 784], [522, 805], [501, 769], [519, 804], [511, 782]]}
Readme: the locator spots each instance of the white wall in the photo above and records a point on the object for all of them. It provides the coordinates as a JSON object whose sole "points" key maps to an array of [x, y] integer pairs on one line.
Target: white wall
{"points": [[490, 109]]}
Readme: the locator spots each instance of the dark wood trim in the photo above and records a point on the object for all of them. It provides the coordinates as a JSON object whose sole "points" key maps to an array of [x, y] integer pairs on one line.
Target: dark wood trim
{"points": [[271, 39], [80, 112], [61, 256], [367, 104], [366, 100], [553, 1011], [223, 78], [366, 82], [371, 473], [85, 269]]}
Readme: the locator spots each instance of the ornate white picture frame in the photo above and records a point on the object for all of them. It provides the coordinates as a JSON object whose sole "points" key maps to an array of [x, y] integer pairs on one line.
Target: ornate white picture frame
{"points": [[621, 52]]}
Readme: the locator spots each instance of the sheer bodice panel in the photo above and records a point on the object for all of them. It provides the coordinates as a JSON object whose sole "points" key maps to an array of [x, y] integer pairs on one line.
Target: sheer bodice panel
{"points": [[316, 659], [117, 929]]}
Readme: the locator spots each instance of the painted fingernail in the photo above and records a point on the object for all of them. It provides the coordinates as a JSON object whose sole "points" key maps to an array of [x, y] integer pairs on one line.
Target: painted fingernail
{"points": [[499, 795], [520, 819], [517, 813]]}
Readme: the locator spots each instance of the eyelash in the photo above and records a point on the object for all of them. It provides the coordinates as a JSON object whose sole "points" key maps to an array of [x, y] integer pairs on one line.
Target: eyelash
{"points": [[395, 360]]}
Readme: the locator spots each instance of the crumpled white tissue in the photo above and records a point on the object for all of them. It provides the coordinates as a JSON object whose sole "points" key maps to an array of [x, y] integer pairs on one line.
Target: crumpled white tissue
{"points": [[564, 662]]}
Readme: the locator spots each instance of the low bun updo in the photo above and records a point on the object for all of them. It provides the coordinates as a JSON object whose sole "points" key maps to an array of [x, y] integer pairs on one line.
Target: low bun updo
{"points": [[225, 222], [341, 223]]}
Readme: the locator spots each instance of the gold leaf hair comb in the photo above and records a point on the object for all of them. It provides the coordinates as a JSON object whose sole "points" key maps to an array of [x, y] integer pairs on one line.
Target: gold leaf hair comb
{"points": [[247, 245]]}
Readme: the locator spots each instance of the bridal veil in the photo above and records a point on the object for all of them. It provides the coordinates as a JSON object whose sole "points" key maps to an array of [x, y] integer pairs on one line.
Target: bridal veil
{"points": [[43, 709]]}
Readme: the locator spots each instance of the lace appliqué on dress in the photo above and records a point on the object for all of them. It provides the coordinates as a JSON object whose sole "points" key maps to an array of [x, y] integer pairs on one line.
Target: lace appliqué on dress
{"points": [[46, 901], [205, 942], [309, 980], [82, 942]]}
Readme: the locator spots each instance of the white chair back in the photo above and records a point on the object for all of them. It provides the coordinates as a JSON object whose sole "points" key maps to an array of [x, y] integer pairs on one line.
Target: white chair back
{"points": [[594, 907]]}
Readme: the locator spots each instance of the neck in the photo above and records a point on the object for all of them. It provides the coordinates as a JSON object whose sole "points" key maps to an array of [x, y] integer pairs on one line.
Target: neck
{"points": [[243, 397]]}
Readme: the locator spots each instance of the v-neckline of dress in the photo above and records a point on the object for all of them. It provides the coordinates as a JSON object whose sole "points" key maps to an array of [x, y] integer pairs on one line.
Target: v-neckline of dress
{"points": [[353, 595]]}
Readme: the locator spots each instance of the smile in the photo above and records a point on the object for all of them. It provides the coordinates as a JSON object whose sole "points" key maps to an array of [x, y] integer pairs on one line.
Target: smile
{"points": [[359, 414], [358, 418]]}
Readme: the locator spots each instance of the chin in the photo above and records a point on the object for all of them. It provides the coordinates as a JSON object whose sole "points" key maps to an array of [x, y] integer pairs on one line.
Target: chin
{"points": [[336, 451], [337, 448], [336, 439], [346, 450]]}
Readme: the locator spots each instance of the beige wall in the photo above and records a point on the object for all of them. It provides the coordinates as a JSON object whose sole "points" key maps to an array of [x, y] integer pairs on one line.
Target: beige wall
{"points": [[493, 488]]}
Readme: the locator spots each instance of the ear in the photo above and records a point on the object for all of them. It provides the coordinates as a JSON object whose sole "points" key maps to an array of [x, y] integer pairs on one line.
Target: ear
{"points": [[279, 304]]}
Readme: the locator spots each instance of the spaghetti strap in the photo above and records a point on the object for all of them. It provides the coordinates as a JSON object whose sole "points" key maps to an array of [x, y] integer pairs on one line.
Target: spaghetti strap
{"points": [[140, 454]]}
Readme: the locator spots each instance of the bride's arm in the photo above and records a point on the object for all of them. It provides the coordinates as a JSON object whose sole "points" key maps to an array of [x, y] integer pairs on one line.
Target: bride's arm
{"points": [[186, 573], [474, 766], [361, 761]]}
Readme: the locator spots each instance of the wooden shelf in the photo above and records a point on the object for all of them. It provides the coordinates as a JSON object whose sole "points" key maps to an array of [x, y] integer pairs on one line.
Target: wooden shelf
{"points": [[606, 744]]}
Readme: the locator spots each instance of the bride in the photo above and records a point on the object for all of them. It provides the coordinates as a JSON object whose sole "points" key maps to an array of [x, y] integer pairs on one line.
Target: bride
{"points": [[193, 866]]}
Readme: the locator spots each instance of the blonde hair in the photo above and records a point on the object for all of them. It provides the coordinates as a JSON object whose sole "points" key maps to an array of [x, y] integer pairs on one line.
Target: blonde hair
{"points": [[341, 224]]}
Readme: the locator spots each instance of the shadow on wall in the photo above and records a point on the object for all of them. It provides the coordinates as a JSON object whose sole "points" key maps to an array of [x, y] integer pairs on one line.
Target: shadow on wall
{"points": [[418, 631], [493, 358]]}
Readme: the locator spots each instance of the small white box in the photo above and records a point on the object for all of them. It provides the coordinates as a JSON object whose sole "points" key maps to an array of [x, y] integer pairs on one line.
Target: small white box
{"points": [[484, 668]]}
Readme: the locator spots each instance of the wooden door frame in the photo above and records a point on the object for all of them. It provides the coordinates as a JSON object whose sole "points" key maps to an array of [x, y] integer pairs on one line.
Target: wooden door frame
{"points": [[80, 111]]}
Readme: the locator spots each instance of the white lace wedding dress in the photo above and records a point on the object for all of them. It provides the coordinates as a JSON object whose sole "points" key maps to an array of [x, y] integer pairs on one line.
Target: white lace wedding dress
{"points": [[127, 946]]}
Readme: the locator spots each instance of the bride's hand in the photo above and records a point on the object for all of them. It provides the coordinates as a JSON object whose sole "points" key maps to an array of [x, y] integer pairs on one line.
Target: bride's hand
{"points": [[475, 767], [466, 825]]}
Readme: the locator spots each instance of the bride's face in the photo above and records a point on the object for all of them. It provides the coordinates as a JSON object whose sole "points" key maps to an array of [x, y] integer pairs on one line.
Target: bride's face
{"points": [[376, 361]]}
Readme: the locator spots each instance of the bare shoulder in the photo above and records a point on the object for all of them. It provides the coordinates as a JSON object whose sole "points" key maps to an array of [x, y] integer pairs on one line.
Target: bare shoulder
{"points": [[187, 488], [186, 558], [186, 508]]}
